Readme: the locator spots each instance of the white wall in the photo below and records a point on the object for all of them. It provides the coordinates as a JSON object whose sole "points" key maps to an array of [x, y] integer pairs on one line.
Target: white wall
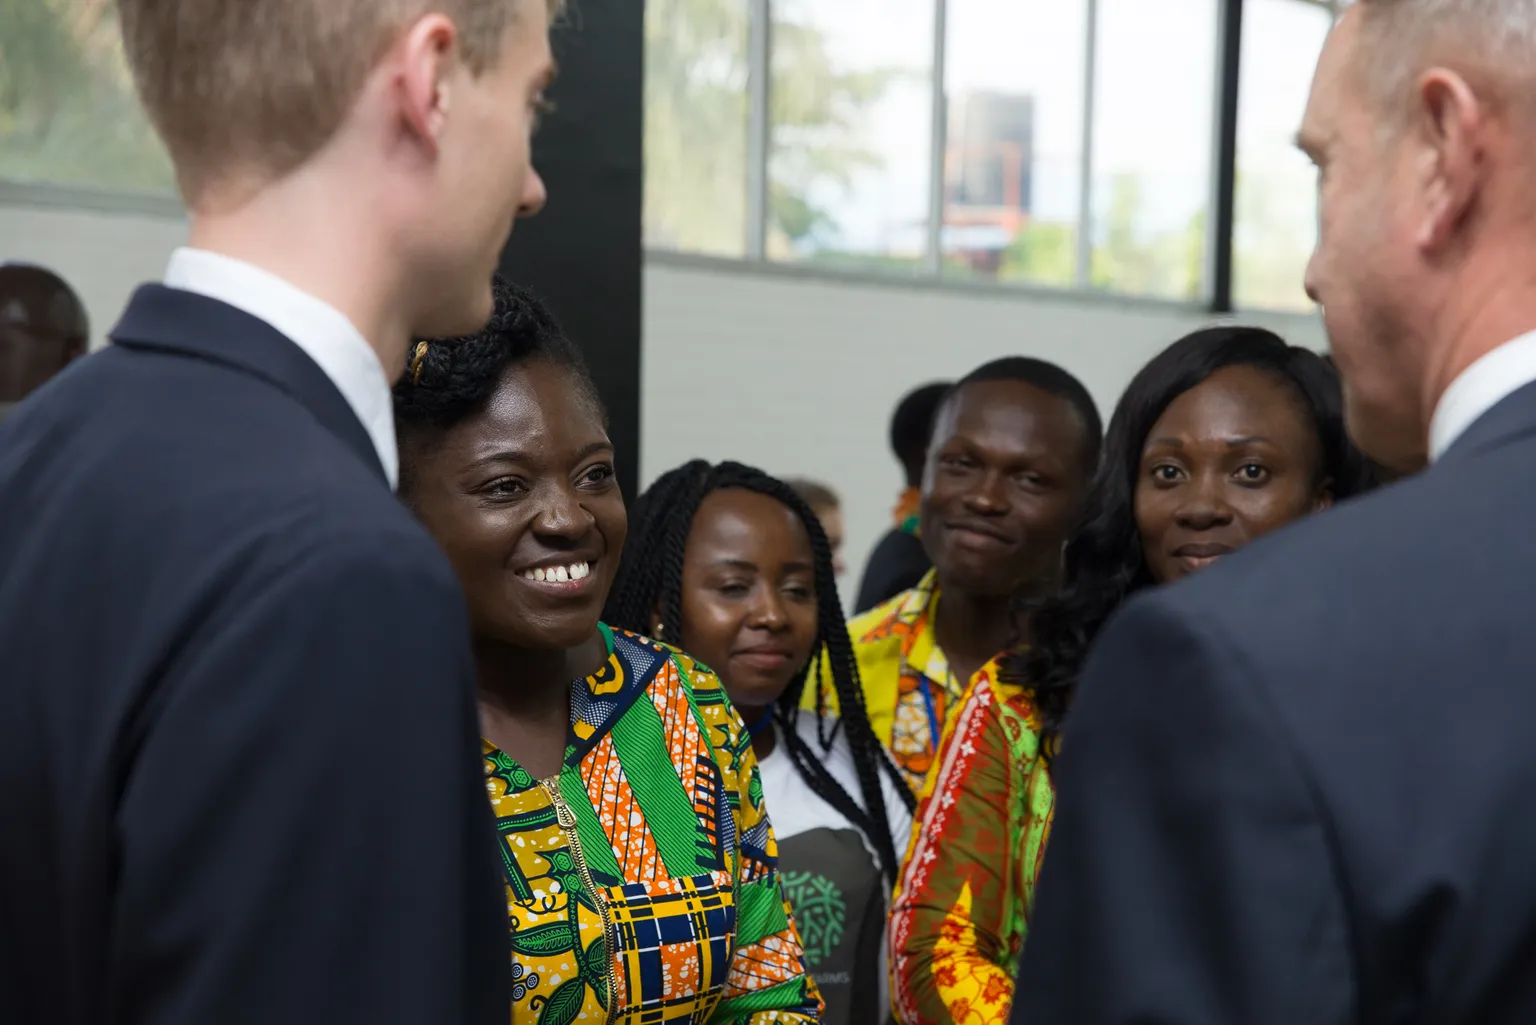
{"points": [[771, 367], [799, 376]]}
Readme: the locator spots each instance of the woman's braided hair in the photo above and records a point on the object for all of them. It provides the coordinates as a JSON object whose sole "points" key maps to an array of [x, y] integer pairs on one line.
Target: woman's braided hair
{"points": [[448, 380], [650, 585]]}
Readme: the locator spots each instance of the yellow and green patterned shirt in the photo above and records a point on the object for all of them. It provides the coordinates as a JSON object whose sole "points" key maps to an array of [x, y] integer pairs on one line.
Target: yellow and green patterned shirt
{"points": [[642, 881], [909, 691]]}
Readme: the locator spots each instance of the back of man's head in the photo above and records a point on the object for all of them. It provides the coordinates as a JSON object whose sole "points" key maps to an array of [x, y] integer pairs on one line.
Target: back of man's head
{"points": [[256, 87], [374, 153], [1399, 39], [1422, 121], [912, 426]]}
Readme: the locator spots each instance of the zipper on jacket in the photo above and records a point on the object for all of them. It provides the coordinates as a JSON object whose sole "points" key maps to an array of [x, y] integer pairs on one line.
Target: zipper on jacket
{"points": [[567, 820]]}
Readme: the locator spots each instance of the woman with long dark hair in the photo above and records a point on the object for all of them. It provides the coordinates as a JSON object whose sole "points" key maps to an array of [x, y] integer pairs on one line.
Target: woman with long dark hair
{"points": [[733, 566], [1228, 434]]}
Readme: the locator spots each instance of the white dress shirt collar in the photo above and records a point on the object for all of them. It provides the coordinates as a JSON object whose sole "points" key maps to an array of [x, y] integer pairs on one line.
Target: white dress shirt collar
{"points": [[322, 331]]}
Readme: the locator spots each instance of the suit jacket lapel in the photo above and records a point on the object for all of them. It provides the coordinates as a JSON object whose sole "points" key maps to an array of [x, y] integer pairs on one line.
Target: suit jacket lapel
{"points": [[171, 320]]}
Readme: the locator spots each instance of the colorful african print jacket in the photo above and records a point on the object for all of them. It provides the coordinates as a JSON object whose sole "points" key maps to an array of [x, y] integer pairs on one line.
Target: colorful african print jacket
{"points": [[908, 689], [962, 905], [642, 882]]}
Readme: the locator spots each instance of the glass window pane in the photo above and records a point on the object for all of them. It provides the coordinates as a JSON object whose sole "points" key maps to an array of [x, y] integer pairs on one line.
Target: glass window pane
{"points": [[68, 113], [1155, 102], [851, 112], [1275, 220], [1014, 148], [696, 125]]}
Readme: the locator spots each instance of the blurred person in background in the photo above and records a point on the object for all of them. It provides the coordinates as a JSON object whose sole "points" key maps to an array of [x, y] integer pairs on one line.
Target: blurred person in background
{"points": [[829, 510], [1227, 435], [1299, 787], [43, 328], [1013, 449], [732, 565], [899, 561], [641, 873]]}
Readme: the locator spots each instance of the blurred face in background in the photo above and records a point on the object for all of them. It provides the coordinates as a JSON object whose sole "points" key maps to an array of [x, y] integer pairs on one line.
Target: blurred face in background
{"points": [[28, 359], [42, 329], [831, 517]]}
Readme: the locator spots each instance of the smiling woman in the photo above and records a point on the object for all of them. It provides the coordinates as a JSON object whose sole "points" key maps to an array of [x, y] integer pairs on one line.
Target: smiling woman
{"points": [[1227, 435], [1224, 436], [1231, 459], [626, 795]]}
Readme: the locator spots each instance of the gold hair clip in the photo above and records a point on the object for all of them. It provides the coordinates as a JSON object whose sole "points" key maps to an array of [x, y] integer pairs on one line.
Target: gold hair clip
{"points": [[416, 361]]}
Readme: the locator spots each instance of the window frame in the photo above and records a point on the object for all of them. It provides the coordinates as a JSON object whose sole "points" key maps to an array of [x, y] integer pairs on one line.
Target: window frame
{"points": [[1218, 277], [18, 192]]}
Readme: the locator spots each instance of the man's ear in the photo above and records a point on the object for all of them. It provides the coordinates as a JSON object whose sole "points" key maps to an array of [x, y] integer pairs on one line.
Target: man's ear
{"points": [[1450, 122], [421, 62]]}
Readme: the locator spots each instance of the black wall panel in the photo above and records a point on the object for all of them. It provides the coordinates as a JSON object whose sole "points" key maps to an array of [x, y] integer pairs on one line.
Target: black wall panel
{"points": [[583, 253]]}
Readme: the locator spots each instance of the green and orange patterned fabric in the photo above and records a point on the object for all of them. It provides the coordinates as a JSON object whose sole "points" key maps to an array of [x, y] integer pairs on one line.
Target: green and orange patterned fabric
{"points": [[642, 881], [962, 904], [907, 515]]}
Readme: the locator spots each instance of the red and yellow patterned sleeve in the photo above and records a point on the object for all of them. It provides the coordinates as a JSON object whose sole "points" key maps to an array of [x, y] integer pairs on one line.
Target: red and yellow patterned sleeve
{"points": [[769, 981], [961, 905]]}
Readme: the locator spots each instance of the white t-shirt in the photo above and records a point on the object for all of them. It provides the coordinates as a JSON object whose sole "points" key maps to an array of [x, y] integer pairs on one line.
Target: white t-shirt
{"points": [[831, 873]]}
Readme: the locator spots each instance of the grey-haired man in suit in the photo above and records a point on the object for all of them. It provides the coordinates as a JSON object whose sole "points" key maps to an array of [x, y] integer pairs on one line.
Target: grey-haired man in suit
{"points": [[1300, 789]]}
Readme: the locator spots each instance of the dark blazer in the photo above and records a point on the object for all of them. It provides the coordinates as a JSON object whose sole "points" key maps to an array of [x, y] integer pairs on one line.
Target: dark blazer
{"points": [[239, 772], [898, 563], [1300, 789]]}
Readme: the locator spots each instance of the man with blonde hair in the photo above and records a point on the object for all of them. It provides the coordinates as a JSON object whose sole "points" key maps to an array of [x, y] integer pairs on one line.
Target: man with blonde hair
{"points": [[238, 746], [1300, 788]]}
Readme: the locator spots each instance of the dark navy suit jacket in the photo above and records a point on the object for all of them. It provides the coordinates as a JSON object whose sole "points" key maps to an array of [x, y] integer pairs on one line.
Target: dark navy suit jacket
{"points": [[1300, 789], [239, 772]]}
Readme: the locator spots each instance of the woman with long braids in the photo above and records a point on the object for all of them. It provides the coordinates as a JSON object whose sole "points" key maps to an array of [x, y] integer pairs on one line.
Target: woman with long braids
{"points": [[1223, 437], [733, 566], [641, 878]]}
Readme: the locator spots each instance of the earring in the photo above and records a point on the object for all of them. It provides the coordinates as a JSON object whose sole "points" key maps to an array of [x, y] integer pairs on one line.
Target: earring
{"points": [[661, 628]]}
